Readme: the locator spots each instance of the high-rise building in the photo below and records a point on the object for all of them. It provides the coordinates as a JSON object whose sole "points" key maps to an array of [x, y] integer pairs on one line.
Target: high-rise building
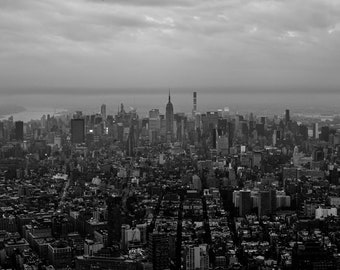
{"points": [[19, 130], [2, 131], [264, 208], [196, 257], [103, 111], [158, 250], [114, 222], [130, 146], [194, 108], [245, 203], [77, 130], [316, 131], [287, 117], [169, 118], [325, 132]]}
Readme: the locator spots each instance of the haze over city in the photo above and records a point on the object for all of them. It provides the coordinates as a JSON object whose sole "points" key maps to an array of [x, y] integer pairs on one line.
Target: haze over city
{"points": [[82, 46]]}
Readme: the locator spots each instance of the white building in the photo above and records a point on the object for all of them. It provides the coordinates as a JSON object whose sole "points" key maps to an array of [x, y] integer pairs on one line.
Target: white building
{"points": [[197, 257], [334, 201], [323, 212]]}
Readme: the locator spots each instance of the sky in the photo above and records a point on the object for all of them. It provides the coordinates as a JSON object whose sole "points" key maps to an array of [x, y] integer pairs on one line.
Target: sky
{"points": [[270, 45]]}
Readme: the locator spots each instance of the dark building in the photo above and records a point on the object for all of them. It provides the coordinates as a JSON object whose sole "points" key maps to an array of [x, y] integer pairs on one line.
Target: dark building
{"points": [[245, 204], [19, 130], [311, 255], [303, 131], [267, 202], [287, 116], [260, 129], [264, 204], [222, 124], [130, 144], [114, 221], [2, 131], [77, 130], [213, 138], [325, 132], [169, 118], [158, 250], [105, 261]]}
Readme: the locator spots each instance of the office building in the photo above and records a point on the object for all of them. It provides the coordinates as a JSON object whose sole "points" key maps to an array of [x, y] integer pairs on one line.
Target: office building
{"points": [[158, 250], [196, 257], [316, 131], [114, 222], [19, 130], [264, 205], [245, 203], [287, 116], [60, 254], [194, 100], [77, 131], [103, 112]]}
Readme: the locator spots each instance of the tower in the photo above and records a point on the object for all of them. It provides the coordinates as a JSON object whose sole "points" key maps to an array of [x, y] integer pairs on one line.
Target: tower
{"points": [[169, 118], [19, 130], [77, 130], [287, 116], [194, 108], [245, 203], [114, 222], [103, 111]]}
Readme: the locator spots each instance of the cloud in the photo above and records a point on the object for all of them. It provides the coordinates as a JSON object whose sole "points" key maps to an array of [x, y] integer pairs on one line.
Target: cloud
{"points": [[182, 42]]}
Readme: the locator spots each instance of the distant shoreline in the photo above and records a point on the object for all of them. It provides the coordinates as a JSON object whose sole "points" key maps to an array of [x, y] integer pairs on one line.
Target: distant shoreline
{"points": [[10, 109], [33, 114]]}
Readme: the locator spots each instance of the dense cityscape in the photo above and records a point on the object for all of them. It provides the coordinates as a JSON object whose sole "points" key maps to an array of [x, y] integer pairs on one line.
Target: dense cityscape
{"points": [[198, 190]]}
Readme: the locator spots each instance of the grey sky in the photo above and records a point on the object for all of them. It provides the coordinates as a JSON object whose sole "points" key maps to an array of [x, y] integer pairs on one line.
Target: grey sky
{"points": [[272, 44]]}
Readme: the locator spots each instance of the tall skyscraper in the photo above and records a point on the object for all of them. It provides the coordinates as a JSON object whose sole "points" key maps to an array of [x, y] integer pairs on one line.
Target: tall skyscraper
{"points": [[194, 99], [103, 111], [169, 118], [287, 116], [264, 207], [316, 130], [114, 222], [245, 203], [2, 131], [78, 130], [19, 130]]}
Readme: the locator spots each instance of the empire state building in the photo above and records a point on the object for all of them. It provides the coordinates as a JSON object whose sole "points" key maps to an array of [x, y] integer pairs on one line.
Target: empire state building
{"points": [[169, 118]]}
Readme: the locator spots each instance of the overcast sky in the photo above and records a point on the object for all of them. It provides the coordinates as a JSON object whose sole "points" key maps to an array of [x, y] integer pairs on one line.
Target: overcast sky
{"points": [[260, 44]]}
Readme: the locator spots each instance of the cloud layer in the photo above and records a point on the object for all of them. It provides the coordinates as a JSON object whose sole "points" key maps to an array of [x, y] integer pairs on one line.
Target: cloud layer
{"points": [[259, 44]]}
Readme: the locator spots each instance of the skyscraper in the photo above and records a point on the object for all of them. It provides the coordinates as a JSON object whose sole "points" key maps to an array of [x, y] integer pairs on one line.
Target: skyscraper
{"points": [[169, 118], [287, 116], [19, 130], [103, 111], [77, 130], [245, 203], [194, 108], [114, 222], [2, 131], [316, 130]]}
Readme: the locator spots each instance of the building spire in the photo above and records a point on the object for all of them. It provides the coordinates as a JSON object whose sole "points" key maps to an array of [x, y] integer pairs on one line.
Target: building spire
{"points": [[169, 96]]}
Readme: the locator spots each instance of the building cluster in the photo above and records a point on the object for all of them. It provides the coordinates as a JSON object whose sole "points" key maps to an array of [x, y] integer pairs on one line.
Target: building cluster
{"points": [[213, 190]]}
